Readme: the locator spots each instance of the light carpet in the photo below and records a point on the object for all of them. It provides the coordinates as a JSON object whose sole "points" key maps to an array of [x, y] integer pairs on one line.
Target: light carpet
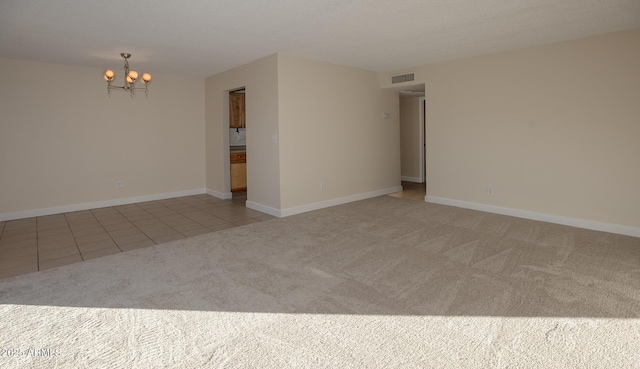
{"points": [[379, 283]]}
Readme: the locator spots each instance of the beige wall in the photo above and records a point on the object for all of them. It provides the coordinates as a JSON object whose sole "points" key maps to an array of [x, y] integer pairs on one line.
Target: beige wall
{"points": [[260, 78], [332, 131], [410, 137], [64, 142], [553, 129]]}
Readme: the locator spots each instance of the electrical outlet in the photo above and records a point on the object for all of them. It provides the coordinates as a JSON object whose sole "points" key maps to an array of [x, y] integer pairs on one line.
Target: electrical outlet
{"points": [[119, 184], [490, 190]]}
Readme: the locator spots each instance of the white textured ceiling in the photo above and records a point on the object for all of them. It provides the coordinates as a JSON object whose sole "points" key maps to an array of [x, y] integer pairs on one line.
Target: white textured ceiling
{"points": [[205, 37]]}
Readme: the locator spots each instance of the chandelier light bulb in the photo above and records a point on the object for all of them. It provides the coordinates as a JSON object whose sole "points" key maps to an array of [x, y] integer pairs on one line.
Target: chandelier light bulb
{"points": [[133, 75], [109, 75], [146, 77], [129, 79]]}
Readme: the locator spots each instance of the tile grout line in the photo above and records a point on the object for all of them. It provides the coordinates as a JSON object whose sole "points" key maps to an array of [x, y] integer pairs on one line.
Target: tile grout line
{"points": [[102, 225], [103, 228], [195, 221], [167, 224], [73, 234], [190, 219], [208, 212], [130, 221]]}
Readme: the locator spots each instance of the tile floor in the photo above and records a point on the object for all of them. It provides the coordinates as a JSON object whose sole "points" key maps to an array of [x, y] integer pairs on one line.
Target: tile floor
{"points": [[412, 191], [32, 244]]}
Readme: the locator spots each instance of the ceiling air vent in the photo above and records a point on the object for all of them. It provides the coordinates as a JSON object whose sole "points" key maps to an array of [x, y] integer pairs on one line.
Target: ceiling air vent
{"points": [[402, 78]]}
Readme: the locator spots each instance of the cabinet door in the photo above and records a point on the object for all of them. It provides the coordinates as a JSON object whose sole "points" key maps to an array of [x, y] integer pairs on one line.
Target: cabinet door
{"points": [[236, 110], [238, 177]]}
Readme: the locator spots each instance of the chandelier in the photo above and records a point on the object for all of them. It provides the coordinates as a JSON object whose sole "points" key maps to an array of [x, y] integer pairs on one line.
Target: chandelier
{"points": [[130, 79]]}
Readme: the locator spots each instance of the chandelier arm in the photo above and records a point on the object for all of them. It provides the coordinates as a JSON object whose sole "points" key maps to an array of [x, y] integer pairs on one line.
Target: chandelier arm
{"points": [[125, 87]]}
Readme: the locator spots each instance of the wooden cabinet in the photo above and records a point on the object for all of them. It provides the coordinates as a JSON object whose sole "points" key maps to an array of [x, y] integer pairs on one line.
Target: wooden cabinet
{"points": [[238, 162], [236, 110]]}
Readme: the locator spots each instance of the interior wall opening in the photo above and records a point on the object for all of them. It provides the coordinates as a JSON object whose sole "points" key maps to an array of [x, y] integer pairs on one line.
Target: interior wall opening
{"points": [[413, 140], [237, 144]]}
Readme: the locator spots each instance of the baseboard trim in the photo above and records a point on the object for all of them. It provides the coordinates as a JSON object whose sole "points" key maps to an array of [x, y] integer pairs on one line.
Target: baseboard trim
{"points": [[411, 179], [557, 219], [263, 208], [96, 204], [339, 201], [220, 195]]}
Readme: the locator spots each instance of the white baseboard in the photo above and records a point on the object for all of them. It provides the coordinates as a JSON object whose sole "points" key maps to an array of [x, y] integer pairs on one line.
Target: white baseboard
{"points": [[263, 208], [339, 201], [96, 204], [220, 195], [557, 219], [411, 179]]}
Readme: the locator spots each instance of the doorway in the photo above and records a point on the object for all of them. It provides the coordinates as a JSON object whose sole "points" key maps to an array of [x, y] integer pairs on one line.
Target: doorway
{"points": [[412, 103], [235, 107]]}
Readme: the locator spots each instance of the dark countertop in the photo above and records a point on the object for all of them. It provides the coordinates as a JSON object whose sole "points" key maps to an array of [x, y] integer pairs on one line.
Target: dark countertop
{"points": [[237, 149]]}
